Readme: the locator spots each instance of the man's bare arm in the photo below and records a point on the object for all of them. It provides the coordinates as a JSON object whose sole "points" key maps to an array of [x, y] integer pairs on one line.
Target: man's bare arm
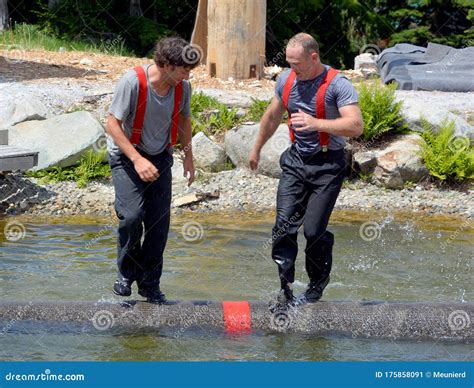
{"points": [[270, 121]]}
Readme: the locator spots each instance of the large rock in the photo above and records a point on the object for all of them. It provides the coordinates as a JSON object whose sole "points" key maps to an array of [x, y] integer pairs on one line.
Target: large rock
{"points": [[239, 143], [60, 140], [366, 62], [237, 98], [437, 107], [177, 171], [365, 161], [400, 162], [208, 155], [24, 108]]}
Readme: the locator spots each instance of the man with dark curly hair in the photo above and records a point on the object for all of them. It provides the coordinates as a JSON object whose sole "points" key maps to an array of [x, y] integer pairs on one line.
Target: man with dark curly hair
{"points": [[149, 110]]}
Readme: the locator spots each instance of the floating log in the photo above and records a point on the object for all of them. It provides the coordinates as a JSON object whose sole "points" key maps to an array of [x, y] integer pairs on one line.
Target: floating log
{"points": [[395, 320]]}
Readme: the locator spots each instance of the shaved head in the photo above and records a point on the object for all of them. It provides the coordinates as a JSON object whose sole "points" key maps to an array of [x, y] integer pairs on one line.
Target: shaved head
{"points": [[306, 41]]}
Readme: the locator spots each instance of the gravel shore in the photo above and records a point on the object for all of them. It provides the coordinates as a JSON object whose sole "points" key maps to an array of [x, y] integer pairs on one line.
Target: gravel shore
{"points": [[239, 190]]}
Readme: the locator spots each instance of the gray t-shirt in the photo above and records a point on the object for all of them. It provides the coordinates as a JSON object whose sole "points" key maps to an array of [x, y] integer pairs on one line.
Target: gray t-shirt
{"points": [[156, 129], [340, 93]]}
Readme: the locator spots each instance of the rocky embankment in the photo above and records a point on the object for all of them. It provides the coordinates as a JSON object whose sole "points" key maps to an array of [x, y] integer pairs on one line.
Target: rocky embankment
{"points": [[395, 176]]}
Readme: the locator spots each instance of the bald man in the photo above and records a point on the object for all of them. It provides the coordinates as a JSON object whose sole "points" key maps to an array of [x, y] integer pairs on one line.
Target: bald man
{"points": [[313, 167]]}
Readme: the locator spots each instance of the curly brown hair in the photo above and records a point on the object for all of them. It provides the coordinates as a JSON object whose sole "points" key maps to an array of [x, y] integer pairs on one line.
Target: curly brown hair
{"points": [[176, 51]]}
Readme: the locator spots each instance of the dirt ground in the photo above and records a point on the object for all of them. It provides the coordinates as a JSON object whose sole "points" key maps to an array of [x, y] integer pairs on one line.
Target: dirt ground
{"points": [[37, 65]]}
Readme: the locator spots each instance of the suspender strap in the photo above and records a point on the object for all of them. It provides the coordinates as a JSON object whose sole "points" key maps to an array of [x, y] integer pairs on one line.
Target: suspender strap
{"points": [[320, 105], [141, 106], [285, 97], [178, 94]]}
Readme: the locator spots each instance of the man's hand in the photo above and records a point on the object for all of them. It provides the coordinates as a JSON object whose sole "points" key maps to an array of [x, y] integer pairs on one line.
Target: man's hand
{"points": [[188, 169], [302, 121], [146, 169], [254, 158]]}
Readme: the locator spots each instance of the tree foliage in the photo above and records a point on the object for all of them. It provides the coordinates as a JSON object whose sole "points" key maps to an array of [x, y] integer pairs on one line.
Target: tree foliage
{"points": [[342, 27]]}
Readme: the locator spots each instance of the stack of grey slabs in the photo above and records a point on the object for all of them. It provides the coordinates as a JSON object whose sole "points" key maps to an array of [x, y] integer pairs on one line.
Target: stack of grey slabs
{"points": [[436, 67]]}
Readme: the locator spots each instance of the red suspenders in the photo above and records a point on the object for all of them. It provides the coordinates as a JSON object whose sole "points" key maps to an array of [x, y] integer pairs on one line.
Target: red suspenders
{"points": [[320, 103], [141, 108], [285, 97]]}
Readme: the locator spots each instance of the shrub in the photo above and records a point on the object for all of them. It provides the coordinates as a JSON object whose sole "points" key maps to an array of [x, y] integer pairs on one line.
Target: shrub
{"points": [[29, 37], [447, 157], [90, 166], [210, 116], [380, 111], [257, 109]]}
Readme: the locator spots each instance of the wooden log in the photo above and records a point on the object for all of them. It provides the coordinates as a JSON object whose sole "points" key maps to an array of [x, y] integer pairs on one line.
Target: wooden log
{"points": [[199, 36], [236, 38]]}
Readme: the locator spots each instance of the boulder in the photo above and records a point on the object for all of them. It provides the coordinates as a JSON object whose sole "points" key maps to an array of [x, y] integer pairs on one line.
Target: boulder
{"points": [[365, 61], [60, 140], [236, 98], [17, 111], [208, 155], [436, 107], [239, 143], [365, 161], [400, 162]]}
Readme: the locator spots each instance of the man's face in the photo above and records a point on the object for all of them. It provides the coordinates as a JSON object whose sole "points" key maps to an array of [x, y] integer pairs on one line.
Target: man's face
{"points": [[177, 73], [302, 62]]}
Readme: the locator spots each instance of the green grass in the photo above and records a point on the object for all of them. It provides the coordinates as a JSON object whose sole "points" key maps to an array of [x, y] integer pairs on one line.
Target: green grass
{"points": [[447, 157], [257, 109], [213, 118], [26, 37], [380, 112], [210, 116], [91, 166]]}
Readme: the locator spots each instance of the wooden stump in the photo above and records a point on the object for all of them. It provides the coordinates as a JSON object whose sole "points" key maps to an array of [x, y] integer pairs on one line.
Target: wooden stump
{"points": [[236, 38]]}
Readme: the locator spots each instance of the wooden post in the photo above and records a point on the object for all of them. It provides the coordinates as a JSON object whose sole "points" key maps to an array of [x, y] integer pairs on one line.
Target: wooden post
{"points": [[236, 38], [199, 36]]}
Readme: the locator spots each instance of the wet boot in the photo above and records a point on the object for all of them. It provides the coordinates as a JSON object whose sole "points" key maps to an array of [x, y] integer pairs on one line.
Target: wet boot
{"points": [[153, 296], [313, 292], [284, 300], [122, 287]]}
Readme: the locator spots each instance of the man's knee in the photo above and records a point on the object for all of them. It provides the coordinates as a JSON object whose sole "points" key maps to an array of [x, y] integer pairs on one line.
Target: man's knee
{"points": [[323, 238], [131, 217]]}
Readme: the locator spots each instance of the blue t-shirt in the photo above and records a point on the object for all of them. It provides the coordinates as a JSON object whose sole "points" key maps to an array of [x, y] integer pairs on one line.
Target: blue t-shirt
{"points": [[340, 93]]}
